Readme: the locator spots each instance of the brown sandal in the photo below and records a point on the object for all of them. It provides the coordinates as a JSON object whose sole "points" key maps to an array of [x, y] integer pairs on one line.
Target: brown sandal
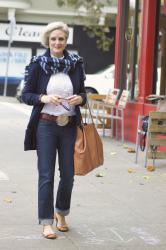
{"points": [[61, 228], [49, 234]]}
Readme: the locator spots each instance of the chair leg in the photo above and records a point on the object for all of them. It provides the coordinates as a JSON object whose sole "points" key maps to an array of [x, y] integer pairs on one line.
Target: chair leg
{"points": [[153, 162], [103, 128], [103, 121], [97, 114], [122, 124], [147, 141], [112, 123], [137, 146], [116, 124], [112, 127], [137, 140], [146, 149]]}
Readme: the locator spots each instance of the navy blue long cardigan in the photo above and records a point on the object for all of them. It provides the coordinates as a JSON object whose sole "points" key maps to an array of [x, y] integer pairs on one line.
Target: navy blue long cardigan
{"points": [[36, 81]]}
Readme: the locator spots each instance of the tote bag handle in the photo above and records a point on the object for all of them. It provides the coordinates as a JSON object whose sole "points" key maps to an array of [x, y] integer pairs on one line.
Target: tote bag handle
{"points": [[89, 109]]}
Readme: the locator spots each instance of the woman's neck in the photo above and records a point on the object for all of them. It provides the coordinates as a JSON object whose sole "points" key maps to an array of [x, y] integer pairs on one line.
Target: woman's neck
{"points": [[57, 56]]}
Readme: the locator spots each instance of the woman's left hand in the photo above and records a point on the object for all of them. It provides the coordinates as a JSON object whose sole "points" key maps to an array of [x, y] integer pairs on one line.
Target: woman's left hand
{"points": [[75, 100]]}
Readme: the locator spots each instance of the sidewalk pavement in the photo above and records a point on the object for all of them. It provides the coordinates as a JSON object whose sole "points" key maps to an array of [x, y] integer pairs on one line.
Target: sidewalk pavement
{"points": [[118, 206]]}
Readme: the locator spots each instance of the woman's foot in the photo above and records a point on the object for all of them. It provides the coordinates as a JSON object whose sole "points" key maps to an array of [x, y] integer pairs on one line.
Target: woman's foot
{"points": [[61, 223], [48, 232]]}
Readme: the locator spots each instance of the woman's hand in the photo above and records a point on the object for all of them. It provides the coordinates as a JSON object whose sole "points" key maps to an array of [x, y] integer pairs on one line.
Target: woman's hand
{"points": [[75, 100], [54, 99]]}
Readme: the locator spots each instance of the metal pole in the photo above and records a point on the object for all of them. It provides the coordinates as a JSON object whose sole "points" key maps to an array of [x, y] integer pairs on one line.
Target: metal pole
{"points": [[12, 23]]}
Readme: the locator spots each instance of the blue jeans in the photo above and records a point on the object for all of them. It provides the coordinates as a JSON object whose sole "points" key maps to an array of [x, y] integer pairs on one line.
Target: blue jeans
{"points": [[50, 139]]}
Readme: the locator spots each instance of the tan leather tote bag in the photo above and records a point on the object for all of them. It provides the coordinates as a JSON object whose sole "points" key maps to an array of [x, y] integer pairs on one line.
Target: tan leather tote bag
{"points": [[88, 152]]}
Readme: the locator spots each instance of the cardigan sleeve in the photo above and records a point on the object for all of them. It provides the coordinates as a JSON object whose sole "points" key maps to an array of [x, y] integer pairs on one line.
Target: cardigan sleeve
{"points": [[29, 93]]}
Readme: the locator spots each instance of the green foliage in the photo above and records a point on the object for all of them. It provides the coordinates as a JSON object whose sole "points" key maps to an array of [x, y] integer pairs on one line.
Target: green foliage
{"points": [[103, 41], [94, 9]]}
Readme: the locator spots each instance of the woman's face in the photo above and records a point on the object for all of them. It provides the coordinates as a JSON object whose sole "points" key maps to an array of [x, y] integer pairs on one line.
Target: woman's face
{"points": [[57, 42]]}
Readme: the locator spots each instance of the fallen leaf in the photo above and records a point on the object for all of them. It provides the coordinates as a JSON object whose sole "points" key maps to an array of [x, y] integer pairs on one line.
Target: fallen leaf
{"points": [[113, 153], [146, 177], [131, 150], [100, 175], [150, 168], [131, 170], [8, 200]]}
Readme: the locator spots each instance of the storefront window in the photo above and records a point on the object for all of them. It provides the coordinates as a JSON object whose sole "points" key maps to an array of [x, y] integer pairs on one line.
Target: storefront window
{"points": [[19, 58], [133, 39]]}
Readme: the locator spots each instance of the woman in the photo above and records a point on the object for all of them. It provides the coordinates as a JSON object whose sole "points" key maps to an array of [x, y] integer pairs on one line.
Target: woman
{"points": [[54, 85]]}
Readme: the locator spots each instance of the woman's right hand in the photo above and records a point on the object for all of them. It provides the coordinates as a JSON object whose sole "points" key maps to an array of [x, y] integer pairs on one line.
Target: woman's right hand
{"points": [[54, 99]]}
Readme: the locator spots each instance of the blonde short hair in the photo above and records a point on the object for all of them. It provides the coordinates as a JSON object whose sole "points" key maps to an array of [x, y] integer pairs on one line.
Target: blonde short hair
{"points": [[49, 28]]}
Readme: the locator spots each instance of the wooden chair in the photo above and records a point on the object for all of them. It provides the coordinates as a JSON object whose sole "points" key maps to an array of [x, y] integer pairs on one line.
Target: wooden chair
{"points": [[97, 105], [156, 136], [117, 112]]}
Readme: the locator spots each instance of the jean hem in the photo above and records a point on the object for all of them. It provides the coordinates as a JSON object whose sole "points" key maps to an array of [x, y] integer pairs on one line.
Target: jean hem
{"points": [[46, 221], [62, 212]]}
